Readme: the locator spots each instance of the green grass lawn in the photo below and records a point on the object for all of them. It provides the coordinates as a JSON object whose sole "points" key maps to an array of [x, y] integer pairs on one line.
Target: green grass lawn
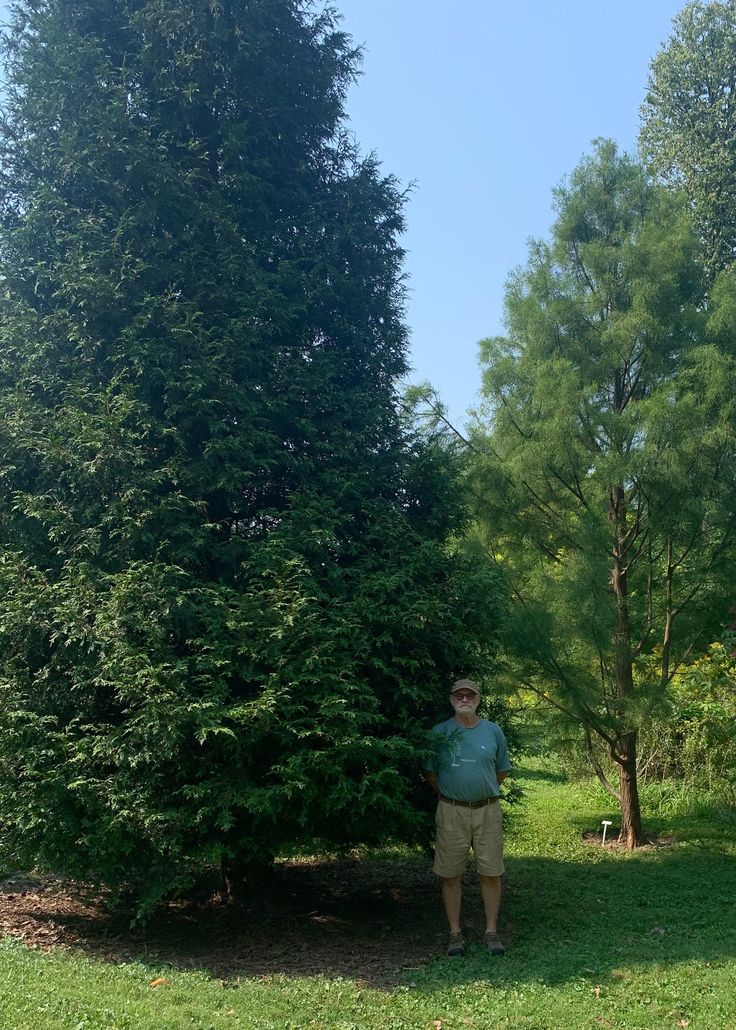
{"points": [[597, 938]]}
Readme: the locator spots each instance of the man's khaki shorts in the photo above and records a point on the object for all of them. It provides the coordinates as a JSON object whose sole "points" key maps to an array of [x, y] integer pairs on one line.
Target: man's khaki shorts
{"points": [[460, 828]]}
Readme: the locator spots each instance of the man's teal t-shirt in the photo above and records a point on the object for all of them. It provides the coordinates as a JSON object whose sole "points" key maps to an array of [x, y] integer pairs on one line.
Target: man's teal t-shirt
{"points": [[466, 760]]}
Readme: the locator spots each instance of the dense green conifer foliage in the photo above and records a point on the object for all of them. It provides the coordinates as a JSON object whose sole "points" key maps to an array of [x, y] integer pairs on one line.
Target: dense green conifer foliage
{"points": [[228, 608], [605, 471], [689, 121]]}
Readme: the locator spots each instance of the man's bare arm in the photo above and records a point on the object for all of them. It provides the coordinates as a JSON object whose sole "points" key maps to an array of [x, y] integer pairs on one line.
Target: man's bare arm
{"points": [[501, 776], [431, 778]]}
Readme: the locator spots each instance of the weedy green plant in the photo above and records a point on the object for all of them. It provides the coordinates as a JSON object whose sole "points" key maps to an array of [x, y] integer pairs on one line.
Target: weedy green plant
{"points": [[692, 740]]}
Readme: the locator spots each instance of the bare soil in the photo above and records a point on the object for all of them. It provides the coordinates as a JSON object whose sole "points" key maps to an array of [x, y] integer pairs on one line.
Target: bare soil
{"points": [[358, 918], [613, 842]]}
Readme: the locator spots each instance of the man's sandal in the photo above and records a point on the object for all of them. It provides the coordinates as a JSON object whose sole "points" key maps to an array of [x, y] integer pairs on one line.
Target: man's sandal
{"points": [[456, 946], [494, 944]]}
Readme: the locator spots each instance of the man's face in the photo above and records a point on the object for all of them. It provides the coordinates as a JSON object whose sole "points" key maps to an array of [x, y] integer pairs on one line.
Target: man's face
{"points": [[464, 701]]}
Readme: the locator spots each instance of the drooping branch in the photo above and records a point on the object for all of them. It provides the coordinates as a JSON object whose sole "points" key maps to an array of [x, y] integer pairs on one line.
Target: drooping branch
{"points": [[438, 414], [597, 767], [575, 491], [581, 266], [685, 654], [649, 626], [582, 714]]}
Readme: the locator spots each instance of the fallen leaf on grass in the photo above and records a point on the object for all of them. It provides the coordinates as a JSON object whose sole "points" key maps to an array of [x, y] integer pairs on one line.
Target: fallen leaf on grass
{"points": [[597, 991], [160, 981], [684, 1022], [658, 929], [603, 1021], [437, 1024]]}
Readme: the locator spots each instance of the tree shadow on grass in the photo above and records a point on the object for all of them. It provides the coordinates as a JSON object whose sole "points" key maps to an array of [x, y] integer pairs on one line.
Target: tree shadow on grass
{"points": [[567, 920], [379, 921], [363, 919], [521, 773]]}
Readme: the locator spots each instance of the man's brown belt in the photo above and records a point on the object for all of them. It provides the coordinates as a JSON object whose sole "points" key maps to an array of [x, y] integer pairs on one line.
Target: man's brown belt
{"points": [[469, 804]]}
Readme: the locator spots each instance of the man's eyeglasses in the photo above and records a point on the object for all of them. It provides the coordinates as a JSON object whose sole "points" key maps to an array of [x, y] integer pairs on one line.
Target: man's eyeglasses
{"points": [[465, 695]]}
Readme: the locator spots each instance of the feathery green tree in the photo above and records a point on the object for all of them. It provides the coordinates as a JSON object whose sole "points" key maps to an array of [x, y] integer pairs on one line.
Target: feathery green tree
{"points": [[227, 600], [605, 473], [689, 121]]}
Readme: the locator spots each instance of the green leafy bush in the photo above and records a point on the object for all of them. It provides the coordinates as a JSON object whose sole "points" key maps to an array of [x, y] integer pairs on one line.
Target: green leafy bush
{"points": [[693, 743]]}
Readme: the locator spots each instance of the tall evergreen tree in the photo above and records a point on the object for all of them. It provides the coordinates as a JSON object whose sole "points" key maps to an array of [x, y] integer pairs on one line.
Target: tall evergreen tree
{"points": [[605, 475], [689, 121], [227, 595]]}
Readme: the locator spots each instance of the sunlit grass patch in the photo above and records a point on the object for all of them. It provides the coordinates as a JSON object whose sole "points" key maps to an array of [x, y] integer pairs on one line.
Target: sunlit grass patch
{"points": [[597, 937]]}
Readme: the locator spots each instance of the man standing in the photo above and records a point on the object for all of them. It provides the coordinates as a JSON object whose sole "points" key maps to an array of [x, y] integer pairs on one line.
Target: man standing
{"points": [[469, 763]]}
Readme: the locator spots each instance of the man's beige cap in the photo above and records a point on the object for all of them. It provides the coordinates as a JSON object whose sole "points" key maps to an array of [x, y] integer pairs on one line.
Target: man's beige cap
{"points": [[464, 685]]}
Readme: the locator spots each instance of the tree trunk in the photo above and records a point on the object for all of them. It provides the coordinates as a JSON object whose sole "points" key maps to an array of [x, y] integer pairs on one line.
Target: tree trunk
{"points": [[631, 834], [247, 882], [631, 830]]}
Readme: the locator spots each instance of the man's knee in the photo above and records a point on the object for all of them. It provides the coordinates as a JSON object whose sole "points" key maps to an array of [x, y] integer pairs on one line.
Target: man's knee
{"points": [[492, 881], [452, 881]]}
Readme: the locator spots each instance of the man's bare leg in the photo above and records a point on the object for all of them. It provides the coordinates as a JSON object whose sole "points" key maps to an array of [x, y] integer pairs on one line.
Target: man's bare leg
{"points": [[452, 896], [490, 889]]}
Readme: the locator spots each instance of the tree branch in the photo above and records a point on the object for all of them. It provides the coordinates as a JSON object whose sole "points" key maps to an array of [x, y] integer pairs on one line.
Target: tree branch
{"points": [[597, 767]]}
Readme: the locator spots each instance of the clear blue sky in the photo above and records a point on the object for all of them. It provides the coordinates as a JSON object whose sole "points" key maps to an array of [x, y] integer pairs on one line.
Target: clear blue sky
{"points": [[487, 105]]}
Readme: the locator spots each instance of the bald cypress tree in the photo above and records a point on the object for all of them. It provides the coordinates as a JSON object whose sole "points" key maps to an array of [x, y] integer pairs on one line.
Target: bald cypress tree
{"points": [[605, 468], [227, 591]]}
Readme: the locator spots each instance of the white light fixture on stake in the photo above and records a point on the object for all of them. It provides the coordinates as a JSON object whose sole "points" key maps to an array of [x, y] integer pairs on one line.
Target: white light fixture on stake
{"points": [[606, 824]]}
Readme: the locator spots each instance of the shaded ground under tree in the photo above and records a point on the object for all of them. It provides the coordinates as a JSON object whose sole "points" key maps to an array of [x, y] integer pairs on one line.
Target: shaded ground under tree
{"points": [[367, 920]]}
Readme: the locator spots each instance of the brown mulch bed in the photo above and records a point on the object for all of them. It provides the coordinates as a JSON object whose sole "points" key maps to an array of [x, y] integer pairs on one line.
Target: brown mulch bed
{"points": [[612, 841], [358, 918]]}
